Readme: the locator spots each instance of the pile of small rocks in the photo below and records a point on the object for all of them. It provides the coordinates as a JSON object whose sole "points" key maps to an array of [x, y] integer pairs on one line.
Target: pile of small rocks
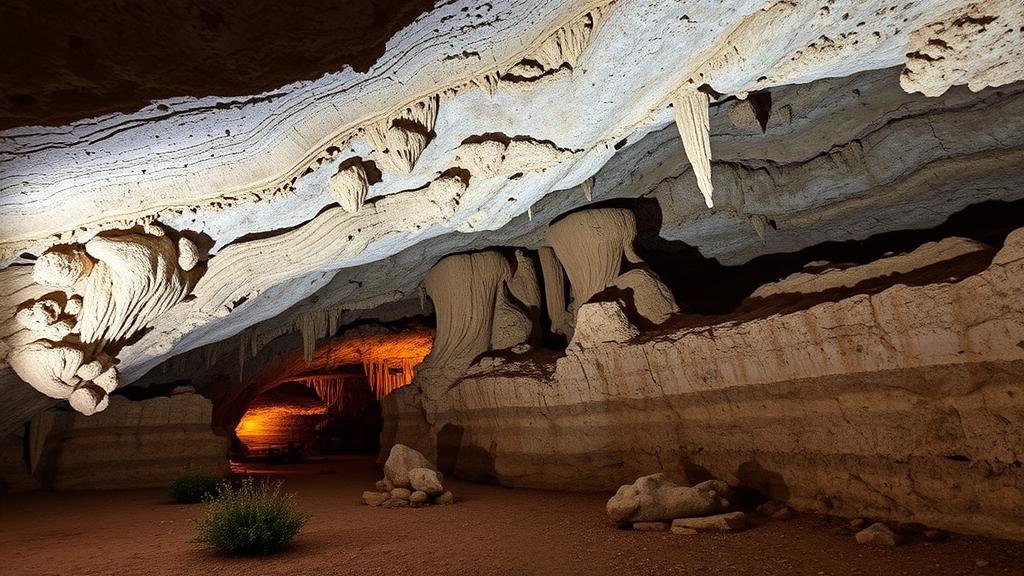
{"points": [[410, 480]]}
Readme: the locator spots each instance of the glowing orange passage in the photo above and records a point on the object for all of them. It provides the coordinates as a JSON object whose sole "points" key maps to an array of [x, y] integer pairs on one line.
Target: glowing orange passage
{"points": [[389, 362], [270, 426]]}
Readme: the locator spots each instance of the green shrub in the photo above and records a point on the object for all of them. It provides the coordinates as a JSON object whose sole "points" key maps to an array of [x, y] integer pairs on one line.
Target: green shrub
{"points": [[250, 520], [193, 488]]}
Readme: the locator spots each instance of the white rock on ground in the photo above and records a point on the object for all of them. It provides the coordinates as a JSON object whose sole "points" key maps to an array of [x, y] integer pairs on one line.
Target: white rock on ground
{"points": [[728, 522], [877, 534], [400, 461], [655, 498]]}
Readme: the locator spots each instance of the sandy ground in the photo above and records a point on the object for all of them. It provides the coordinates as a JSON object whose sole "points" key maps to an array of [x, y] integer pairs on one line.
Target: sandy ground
{"points": [[491, 530]]}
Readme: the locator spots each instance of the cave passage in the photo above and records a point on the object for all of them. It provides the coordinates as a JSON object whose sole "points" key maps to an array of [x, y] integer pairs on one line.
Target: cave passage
{"points": [[316, 417]]}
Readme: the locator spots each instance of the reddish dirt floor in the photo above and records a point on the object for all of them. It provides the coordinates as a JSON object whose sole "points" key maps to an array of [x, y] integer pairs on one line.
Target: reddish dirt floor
{"points": [[491, 530]]}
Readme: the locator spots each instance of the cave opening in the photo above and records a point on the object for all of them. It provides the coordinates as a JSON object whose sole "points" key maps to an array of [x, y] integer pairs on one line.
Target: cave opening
{"points": [[328, 406], [314, 417]]}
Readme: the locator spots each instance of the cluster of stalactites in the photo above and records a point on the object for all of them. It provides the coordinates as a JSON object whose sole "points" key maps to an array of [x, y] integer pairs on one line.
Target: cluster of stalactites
{"points": [[330, 388], [399, 140], [386, 375], [313, 325]]}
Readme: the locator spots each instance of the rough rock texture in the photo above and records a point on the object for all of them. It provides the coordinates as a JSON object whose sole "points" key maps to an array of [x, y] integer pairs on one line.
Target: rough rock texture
{"points": [[425, 480], [729, 522], [401, 461], [921, 168], [507, 79], [978, 44], [654, 498], [878, 534], [906, 396], [600, 322], [132, 444]]}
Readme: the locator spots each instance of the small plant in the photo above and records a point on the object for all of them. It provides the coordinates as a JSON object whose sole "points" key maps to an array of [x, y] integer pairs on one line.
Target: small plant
{"points": [[252, 519], [193, 488]]}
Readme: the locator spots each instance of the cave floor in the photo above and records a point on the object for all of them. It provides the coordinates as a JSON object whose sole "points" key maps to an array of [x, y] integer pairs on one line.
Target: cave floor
{"points": [[491, 530]]}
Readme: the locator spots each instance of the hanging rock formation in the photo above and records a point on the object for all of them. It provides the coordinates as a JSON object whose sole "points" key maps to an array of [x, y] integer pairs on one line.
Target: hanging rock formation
{"points": [[805, 309], [399, 141], [591, 245], [691, 110], [104, 293], [474, 311]]}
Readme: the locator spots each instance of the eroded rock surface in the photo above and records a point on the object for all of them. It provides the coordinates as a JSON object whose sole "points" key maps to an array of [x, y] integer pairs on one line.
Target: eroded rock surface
{"points": [[226, 241], [654, 498], [733, 399], [132, 444]]}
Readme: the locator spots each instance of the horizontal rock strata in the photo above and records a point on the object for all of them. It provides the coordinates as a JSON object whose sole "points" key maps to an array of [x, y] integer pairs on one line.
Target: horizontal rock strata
{"points": [[132, 444], [903, 404]]}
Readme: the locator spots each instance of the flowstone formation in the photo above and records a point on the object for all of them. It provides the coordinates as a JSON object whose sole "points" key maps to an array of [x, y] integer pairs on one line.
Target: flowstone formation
{"points": [[753, 241], [93, 298], [488, 300]]}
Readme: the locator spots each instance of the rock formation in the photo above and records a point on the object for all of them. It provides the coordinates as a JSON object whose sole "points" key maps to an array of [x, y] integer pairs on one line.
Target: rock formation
{"points": [[104, 292], [132, 444], [471, 295], [653, 498], [591, 245], [732, 399], [409, 480], [751, 242]]}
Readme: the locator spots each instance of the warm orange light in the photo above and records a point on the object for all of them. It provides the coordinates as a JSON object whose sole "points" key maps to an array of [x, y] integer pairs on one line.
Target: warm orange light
{"points": [[272, 425], [392, 364]]}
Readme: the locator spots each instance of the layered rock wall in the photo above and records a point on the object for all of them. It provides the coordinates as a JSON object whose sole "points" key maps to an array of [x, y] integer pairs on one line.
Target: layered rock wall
{"points": [[904, 404], [132, 444]]}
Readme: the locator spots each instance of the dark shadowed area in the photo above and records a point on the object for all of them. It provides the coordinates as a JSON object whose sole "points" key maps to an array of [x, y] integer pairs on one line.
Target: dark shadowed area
{"points": [[63, 60]]}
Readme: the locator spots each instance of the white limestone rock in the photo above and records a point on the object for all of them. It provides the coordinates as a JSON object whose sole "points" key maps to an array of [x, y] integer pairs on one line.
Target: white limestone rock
{"points": [[426, 480], [654, 498], [401, 460]]}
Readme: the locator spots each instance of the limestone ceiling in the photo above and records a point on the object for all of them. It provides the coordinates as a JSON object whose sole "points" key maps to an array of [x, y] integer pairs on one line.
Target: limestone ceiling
{"points": [[480, 122]]}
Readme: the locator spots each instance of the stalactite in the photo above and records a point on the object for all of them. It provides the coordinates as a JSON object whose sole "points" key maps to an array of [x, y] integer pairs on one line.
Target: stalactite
{"points": [[243, 352], [329, 387], [691, 111], [349, 185], [317, 324], [386, 375], [588, 189], [398, 141]]}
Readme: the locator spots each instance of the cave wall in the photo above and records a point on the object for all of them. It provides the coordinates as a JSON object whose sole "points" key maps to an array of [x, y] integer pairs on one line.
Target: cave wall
{"points": [[132, 444], [904, 404]]}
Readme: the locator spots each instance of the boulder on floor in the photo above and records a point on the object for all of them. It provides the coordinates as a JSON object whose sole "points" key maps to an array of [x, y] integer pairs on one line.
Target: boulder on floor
{"points": [[426, 480], [375, 498], [655, 498], [400, 461], [877, 534]]}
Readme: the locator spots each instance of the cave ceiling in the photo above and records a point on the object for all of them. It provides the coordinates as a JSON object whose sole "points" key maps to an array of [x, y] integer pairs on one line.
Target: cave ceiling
{"points": [[304, 178]]}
